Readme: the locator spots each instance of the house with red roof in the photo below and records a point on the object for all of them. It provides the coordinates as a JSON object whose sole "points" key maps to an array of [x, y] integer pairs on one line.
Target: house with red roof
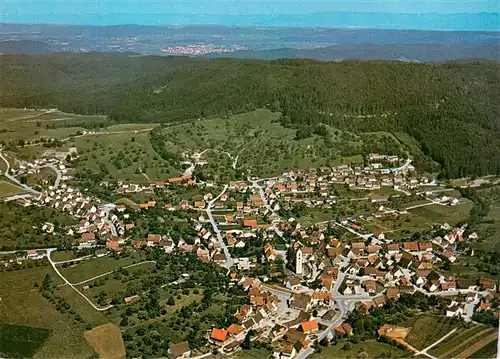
{"points": [[218, 336]]}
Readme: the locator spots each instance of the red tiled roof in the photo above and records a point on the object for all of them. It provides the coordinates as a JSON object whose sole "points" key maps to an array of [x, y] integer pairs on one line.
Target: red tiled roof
{"points": [[309, 326], [235, 329], [219, 334]]}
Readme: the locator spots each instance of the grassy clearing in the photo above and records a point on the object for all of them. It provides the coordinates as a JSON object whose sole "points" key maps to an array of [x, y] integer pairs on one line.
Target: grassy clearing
{"points": [[443, 214], [123, 156], [107, 341], [8, 189], [426, 329], [22, 304], [368, 349], [21, 341], [253, 353], [31, 125], [465, 267], [94, 267], [264, 146], [116, 284], [62, 256]]}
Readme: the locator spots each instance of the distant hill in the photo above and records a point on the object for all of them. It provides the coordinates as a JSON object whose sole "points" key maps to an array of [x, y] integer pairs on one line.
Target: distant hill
{"points": [[338, 19], [406, 53], [450, 110], [24, 47], [269, 42]]}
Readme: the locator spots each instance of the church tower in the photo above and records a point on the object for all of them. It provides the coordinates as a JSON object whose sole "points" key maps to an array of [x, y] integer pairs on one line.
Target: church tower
{"points": [[298, 262]]}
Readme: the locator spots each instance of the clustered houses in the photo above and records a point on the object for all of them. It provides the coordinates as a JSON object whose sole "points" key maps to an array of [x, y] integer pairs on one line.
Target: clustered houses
{"points": [[291, 316], [258, 316]]}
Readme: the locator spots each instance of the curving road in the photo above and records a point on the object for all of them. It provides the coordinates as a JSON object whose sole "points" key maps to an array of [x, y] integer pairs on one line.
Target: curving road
{"points": [[57, 171], [15, 180], [54, 266]]}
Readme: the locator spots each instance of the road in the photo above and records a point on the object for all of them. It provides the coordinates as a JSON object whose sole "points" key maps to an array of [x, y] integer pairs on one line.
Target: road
{"points": [[25, 250], [345, 304], [399, 169], [229, 259], [54, 266], [15, 180], [258, 187], [57, 171]]}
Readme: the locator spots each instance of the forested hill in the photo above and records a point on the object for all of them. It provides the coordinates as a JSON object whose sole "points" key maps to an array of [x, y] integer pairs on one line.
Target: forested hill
{"points": [[451, 109]]}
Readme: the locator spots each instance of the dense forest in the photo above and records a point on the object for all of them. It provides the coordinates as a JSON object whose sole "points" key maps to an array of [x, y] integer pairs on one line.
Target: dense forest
{"points": [[451, 109]]}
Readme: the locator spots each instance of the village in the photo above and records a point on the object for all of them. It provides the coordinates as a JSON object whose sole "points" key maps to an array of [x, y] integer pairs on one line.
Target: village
{"points": [[303, 279]]}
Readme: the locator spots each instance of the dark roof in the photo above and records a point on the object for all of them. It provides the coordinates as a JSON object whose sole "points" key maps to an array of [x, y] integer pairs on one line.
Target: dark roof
{"points": [[300, 301]]}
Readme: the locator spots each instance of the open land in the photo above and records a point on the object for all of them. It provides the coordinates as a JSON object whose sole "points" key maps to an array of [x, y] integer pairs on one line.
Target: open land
{"points": [[22, 304], [107, 341], [8, 189]]}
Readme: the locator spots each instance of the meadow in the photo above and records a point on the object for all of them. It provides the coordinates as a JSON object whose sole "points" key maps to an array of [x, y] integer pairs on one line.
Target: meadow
{"points": [[263, 145], [426, 329], [461, 340], [87, 269], [367, 349], [23, 305], [121, 151], [21, 227], [8, 189]]}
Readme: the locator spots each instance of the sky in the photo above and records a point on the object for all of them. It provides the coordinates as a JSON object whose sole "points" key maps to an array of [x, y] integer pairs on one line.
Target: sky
{"points": [[59, 11], [247, 6]]}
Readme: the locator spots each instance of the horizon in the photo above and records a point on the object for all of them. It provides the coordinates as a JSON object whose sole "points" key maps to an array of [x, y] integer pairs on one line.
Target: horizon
{"points": [[475, 22], [442, 15]]}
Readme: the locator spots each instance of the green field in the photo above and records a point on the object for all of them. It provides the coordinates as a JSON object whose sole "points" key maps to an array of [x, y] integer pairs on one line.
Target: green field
{"points": [[127, 156], [31, 125], [22, 304], [122, 151], [426, 329], [264, 146], [366, 349], [21, 341], [8, 189], [90, 268], [21, 227], [487, 352], [117, 284], [444, 214], [461, 340], [253, 353]]}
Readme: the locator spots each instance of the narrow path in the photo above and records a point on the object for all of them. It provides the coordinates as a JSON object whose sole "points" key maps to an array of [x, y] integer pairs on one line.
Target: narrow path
{"points": [[73, 287]]}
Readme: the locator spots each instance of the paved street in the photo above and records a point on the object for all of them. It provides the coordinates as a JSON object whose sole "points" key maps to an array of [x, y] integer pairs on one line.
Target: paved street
{"points": [[229, 260]]}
